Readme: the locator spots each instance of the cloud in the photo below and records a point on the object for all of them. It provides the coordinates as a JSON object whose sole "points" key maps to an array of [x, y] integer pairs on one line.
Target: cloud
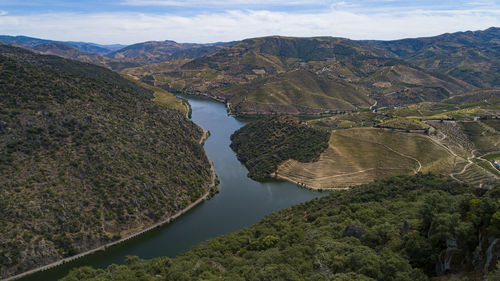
{"points": [[233, 3], [3, 13], [240, 24]]}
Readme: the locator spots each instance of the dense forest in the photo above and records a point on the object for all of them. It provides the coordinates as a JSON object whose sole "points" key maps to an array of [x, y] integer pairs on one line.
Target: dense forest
{"points": [[85, 157], [400, 228], [263, 144]]}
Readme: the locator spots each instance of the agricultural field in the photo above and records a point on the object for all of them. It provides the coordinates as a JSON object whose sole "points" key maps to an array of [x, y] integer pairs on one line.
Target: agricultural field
{"points": [[476, 141], [360, 155]]}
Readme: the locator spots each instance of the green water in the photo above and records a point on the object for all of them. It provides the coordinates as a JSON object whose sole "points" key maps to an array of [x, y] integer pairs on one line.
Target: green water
{"points": [[241, 201]]}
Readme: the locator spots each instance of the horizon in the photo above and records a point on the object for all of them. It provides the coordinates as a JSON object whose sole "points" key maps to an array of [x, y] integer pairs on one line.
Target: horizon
{"points": [[128, 22], [275, 35]]}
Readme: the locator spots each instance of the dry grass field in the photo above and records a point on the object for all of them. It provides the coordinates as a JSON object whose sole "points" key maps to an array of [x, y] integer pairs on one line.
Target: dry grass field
{"points": [[161, 96], [360, 155]]}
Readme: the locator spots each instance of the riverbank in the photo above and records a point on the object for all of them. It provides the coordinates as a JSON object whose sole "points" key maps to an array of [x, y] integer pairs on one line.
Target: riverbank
{"points": [[212, 189], [310, 187]]}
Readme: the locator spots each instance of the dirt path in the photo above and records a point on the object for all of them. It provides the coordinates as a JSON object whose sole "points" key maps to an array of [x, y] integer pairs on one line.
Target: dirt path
{"points": [[399, 153], [452, 175], [407, 156]]}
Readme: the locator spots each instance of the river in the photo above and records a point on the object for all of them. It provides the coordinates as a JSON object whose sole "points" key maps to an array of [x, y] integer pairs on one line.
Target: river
{"points": [[241, 201]]}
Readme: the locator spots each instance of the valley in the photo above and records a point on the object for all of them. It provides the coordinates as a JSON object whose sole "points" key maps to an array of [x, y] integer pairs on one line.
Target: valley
{"points": [[150, 149]]}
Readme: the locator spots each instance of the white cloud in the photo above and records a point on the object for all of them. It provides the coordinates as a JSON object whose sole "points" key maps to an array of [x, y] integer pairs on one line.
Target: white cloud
{"points": [[237, 24], [3, 13], [233, 3]]}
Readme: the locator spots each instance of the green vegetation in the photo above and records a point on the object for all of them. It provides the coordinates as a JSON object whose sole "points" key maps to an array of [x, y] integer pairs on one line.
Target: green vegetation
{"points": [[402, 228], [263, 144], [86, 157]]}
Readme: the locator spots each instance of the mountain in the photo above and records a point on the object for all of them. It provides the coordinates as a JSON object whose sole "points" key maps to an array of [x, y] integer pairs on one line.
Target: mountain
{"points": [[405, 228], [304, 76], [471, 56], [85, 47], [158, 51], [86, 157], [69, 52], [117, 57]]}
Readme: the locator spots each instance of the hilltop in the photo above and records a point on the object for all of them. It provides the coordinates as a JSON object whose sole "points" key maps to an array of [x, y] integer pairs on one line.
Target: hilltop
{"points": [[86, 157]]}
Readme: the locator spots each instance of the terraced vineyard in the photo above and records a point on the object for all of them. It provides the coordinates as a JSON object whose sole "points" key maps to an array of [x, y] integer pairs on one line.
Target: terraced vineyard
{"points": [[359, 155], [471, 140], [477, 176]]}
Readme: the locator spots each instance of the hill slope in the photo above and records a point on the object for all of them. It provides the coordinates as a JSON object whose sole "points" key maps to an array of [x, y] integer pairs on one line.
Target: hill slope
{"points": [[263, 144], [303, 75], [30, 42], [158, 51], [470, 56], [85, 157], [403, 228]]}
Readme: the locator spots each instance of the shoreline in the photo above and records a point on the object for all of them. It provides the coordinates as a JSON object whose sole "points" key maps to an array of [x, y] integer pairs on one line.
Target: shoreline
{"points": [[204, 197], [303, 185]]}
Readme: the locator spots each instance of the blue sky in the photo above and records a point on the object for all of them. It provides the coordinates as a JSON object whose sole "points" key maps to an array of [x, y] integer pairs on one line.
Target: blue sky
{"points": [[130, 21]]}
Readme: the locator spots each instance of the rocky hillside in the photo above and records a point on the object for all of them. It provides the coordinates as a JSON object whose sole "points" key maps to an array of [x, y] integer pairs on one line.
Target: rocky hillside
{"points": [[403, 228], [85, 158]]}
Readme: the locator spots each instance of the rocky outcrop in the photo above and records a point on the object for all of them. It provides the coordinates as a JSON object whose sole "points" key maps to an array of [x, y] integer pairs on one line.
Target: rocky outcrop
{"points": [[451, 259]]}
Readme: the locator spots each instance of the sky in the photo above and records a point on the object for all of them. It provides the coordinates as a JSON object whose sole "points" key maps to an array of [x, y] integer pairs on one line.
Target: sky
{"points": [[132, 21]]}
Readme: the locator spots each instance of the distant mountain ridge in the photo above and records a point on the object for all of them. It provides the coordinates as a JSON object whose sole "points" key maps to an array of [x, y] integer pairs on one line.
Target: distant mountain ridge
{"points": [[316, 75], [158, 51], [30, 42], [116, 56], [472, 56], [304, 76]]}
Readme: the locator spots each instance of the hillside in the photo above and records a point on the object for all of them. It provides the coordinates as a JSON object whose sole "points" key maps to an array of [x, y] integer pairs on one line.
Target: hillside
{"points": [[159, 51], [402, 228], [265, 143], [69, 52], [471, 56], [360, 155], [30, 42], [86, 157], [303, 75]]}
